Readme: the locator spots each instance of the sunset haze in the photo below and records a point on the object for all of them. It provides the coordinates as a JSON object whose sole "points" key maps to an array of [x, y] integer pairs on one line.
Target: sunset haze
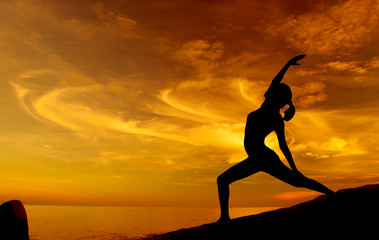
{"points": [[144, 103]]}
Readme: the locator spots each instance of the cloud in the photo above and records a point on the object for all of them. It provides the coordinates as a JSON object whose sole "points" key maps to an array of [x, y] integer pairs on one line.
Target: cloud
{"points": [[201, 54], [113, 18], [358, 67], [294, 195], [107, 157], [346, 66], [332, 147], [244, 59], [201, 111], [250, 90], [374, 63], [309, 93], [341, 29], [55, 107], [334, 142]]}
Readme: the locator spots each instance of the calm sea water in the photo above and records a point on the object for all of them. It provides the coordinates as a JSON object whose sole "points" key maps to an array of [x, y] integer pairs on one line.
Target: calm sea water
{"points": [[117, 223]]}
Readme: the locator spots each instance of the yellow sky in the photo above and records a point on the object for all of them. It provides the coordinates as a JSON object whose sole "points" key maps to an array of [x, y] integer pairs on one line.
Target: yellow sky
{"points": [[143, 103]]}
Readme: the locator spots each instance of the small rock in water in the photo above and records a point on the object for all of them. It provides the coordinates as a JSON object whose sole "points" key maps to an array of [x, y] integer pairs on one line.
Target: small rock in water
{"points": [[13, 221]]}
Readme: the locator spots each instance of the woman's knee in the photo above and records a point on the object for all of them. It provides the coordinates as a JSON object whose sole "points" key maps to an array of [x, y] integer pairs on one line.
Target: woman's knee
{"points": [[222, 180]]}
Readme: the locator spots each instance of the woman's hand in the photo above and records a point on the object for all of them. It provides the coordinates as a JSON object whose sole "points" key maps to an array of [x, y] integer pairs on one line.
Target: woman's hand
{"points": [[294, 60]]}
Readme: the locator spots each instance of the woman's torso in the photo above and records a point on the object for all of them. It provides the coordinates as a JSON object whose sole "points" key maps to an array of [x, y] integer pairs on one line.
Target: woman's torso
{"points": [[259, 124]]}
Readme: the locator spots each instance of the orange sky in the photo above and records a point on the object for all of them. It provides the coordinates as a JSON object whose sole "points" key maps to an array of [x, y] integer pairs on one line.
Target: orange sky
{"points": [[143, 103]]}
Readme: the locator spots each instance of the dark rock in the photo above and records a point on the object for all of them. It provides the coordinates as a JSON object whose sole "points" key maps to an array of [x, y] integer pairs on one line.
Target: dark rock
{"points": [[13, 221], [351, 213]]}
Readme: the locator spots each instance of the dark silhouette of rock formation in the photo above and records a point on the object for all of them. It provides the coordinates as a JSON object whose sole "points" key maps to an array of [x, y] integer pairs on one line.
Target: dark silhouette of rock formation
{"points": [[13, 221], [351, 213]]}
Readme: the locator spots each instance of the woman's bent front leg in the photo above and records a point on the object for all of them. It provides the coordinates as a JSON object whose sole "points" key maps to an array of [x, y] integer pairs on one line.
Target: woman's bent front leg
{"points": [[223, 195], [237, 172]]}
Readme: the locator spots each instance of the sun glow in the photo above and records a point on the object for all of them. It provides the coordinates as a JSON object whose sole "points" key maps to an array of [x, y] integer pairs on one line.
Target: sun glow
{"points": [[129, 103]]}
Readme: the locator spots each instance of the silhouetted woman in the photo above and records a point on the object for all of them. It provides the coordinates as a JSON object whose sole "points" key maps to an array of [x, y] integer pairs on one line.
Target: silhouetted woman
{"points": [[261, 158]]}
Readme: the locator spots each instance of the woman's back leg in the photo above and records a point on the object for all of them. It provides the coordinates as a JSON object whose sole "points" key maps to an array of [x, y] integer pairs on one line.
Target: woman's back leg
{"points": [[280, 171]]}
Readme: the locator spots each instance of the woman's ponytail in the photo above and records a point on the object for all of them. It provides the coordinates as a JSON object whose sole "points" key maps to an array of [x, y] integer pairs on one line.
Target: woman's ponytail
{"points": [[289, 113]]}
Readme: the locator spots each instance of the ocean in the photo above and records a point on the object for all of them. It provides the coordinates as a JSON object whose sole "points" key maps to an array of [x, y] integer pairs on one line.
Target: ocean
{"points": [[118, 223]]}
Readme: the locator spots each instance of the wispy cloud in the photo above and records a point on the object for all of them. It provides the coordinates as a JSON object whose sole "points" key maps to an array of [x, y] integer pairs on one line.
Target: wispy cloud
{"points": [[113, 18], [80, 118], [309, 93]]}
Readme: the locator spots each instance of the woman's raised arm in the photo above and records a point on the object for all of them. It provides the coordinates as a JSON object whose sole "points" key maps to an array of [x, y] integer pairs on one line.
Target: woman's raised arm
{"points": [[278, 78]]}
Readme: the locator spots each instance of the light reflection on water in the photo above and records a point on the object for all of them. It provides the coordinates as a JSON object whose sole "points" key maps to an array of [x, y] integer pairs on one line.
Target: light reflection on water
{"points": [[115, 223]]}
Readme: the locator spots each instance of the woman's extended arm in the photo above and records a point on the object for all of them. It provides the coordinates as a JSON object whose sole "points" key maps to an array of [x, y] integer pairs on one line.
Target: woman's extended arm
{"points": [[278, 78], [284, 147]]}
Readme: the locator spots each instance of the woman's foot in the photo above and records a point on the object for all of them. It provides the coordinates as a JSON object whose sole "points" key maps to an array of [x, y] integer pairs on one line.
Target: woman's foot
{"points": [[223, 220], [330, 193]]}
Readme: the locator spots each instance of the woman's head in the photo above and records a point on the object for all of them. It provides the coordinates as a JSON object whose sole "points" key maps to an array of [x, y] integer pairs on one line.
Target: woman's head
{"points": [[281, 95]]}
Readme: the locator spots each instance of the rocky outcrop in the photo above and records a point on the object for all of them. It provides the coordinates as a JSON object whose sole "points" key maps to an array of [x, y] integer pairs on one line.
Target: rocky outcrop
{"points": [[13, 221], [351, 213]]}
